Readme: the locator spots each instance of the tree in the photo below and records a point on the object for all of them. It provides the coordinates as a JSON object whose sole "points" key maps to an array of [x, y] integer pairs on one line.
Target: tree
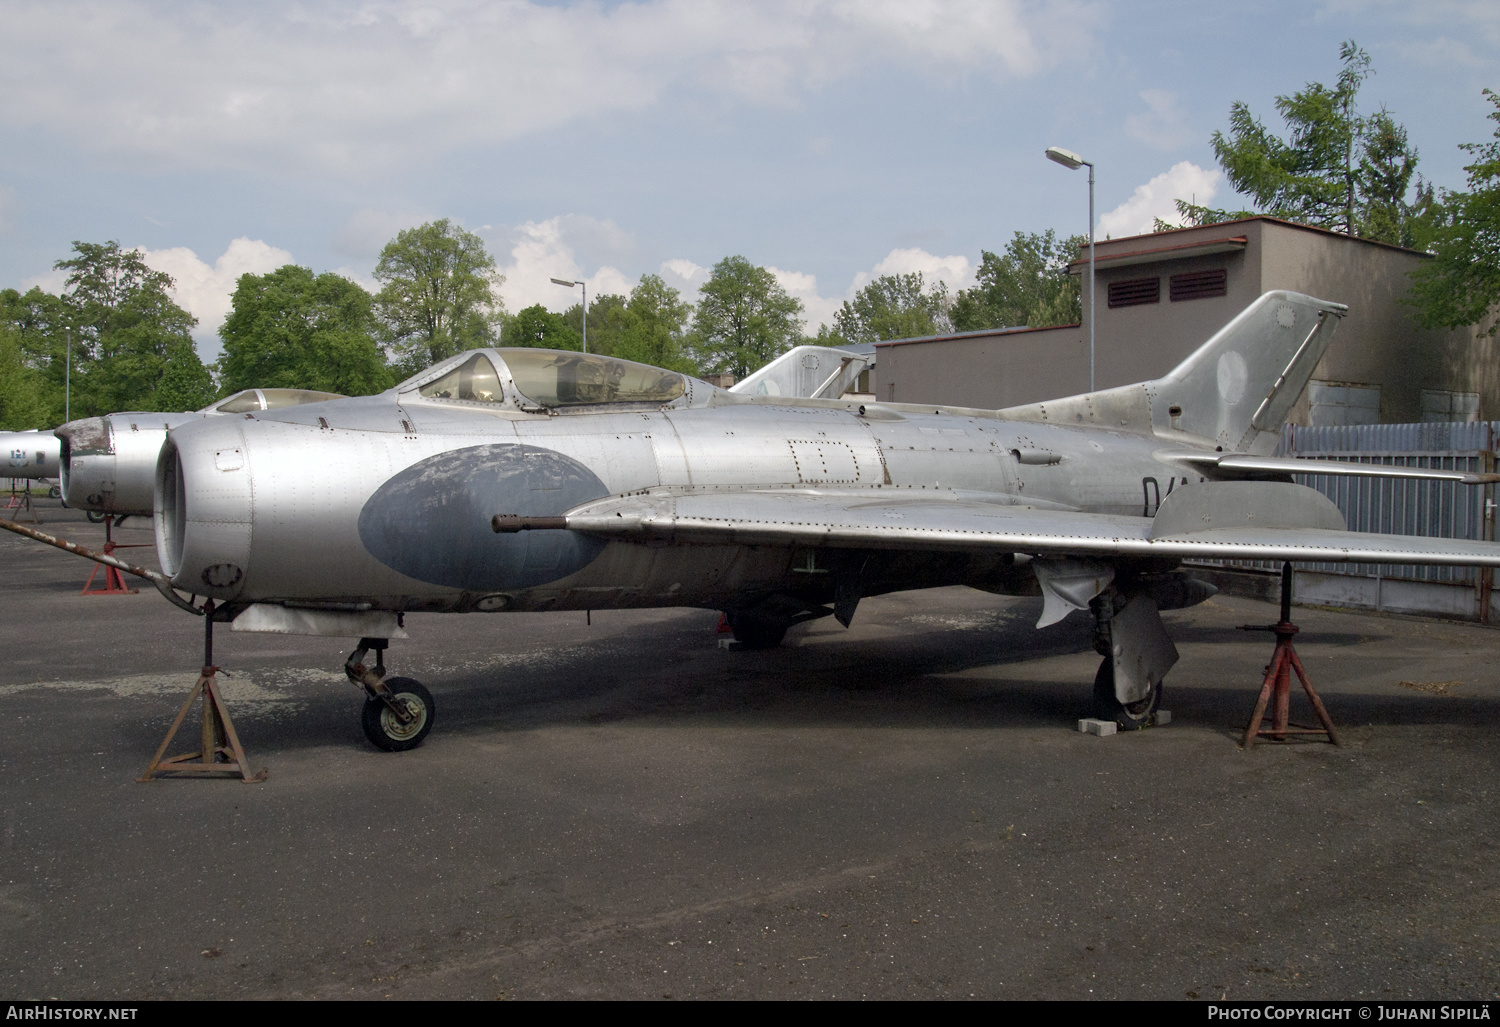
{"points": [[23, 404], [1028, 285], [1337, 169], [185, 383], [1461, 284], [606, 321], [654, 326], [894, 307], [124, 327], [745, 318], [39, 322], [438, 296], [290, 329], [537, 326]]}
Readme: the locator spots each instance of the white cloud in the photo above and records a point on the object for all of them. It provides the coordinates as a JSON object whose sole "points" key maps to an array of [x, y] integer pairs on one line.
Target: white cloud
{"points": [[48, 281], [955, 271], [684, 276], [1163, 125], [544, 250], [1156, 199], [815, 309], [205, 291], [355, 87]]}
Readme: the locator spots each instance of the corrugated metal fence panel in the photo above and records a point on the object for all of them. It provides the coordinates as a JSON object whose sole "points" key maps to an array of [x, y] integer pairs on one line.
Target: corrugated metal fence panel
{"points": [[1399, 506], [1436, 437], [1395, 506]]}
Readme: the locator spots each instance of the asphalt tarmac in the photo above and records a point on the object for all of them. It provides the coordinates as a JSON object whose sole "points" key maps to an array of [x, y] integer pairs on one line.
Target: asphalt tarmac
{"points": [[904, 809]]}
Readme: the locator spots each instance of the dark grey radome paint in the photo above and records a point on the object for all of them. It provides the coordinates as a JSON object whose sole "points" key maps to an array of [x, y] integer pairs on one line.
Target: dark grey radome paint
{"points": [[432, 520]]}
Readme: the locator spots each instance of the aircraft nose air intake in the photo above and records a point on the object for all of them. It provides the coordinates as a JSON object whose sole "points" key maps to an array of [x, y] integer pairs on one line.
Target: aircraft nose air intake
{"points": [[432, 521], [203, 510]]}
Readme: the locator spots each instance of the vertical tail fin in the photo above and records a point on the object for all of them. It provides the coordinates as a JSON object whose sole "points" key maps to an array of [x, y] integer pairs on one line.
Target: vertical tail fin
{"points": [[1238, 387], [1235, 389]]}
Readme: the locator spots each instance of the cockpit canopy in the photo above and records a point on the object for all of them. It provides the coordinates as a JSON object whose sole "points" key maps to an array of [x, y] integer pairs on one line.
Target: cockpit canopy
{"points": [[253, 400], [554, 378]]}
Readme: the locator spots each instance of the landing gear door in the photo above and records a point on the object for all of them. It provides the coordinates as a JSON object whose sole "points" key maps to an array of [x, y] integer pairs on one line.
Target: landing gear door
{"points": [[1140, 649]]}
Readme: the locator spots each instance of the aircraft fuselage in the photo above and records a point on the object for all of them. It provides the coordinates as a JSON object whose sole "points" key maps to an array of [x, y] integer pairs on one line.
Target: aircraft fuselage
{"points": [[388, 506]]}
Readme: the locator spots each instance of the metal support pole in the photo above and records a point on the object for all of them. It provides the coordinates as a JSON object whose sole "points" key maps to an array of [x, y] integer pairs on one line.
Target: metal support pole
{"points": [[585, 315], [1091, 278]]}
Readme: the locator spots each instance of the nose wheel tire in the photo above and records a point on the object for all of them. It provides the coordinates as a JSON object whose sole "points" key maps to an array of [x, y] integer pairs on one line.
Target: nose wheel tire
{"points": [[1129, 716], [385, 730]]}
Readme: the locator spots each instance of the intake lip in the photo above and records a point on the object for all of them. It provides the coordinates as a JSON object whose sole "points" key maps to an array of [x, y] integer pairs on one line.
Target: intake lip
{"points": [[170, 510], [202, 507], [85, 437]]}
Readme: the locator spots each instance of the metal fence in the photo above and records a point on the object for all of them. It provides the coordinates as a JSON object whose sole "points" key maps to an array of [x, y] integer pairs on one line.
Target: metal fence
{"points": [[1402, 506]]}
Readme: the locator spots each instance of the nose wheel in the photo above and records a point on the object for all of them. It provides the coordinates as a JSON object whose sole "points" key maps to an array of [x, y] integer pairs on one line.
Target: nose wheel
{"points": [[384, 727], [398, 711]]}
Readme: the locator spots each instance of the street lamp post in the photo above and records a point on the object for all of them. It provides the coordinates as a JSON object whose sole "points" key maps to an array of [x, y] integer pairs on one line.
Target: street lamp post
{"points": [[564, 281], [1071, 161]]}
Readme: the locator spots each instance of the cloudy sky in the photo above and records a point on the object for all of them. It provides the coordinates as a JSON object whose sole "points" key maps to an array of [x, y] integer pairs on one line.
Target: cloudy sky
{"points": [[830, 140]]}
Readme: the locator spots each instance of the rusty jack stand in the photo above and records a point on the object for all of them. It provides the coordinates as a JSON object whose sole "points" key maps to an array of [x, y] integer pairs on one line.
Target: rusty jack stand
{"points": [[1279, 681], [218, 736], [114, 581], [20, 502]]}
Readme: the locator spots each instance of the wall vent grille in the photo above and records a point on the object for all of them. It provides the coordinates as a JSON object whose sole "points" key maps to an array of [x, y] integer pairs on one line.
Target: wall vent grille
{"points": [[1198, 285], [1134, 292]]}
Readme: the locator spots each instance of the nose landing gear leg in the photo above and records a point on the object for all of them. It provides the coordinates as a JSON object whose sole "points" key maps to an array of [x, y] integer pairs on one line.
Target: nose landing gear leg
{"points": [[398, 711]]}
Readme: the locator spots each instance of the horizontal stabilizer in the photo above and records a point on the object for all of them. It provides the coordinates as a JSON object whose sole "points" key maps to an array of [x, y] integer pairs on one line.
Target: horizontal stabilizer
{"points": [[1249, 464]]}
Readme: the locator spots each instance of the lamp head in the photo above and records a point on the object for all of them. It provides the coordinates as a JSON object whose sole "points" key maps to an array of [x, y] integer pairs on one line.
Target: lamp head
{"points": [[563, 281], [1067, 158]]}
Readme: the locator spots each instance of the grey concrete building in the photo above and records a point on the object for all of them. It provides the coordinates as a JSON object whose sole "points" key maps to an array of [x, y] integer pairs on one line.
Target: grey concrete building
{"points": [[1160, 296]]}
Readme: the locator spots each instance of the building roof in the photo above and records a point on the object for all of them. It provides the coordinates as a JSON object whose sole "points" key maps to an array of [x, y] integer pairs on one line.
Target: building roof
{"points": [[955, 336], [1165, 248]]}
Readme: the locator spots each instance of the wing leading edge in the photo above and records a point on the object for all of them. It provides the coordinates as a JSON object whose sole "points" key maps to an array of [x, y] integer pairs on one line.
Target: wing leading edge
{"points": [[1222, 520]]}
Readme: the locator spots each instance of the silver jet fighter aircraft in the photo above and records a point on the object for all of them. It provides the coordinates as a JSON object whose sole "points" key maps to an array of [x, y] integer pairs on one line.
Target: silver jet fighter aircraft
{"points": [[108, 464], [29, 454], [528, 479]]}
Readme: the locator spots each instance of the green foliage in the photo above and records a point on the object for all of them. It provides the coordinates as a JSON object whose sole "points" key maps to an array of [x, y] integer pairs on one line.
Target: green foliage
{"points": [[745, 318], [1461, 285], [1027, 285], [894, 307], [23, 403], [290, 329], [654, 326], [124, 327], [537, 326], [185, 384], [606, 321], [1337, 169], [438, 296], [39, 322]]}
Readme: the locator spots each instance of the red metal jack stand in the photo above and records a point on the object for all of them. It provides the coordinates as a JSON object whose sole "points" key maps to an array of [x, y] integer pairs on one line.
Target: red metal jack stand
{"points": [[1278, 681], [114, 581], [218, 737], [21, 501]]}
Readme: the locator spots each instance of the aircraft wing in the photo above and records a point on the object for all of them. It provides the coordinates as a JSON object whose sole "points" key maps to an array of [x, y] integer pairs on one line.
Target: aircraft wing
{"points": [[1224, 520]]}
